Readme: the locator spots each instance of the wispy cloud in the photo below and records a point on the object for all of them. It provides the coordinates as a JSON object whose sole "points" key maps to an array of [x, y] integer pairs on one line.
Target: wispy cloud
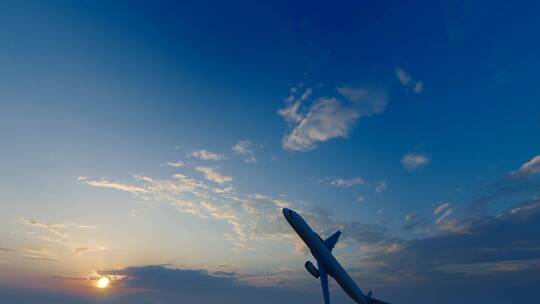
{"points": [[246, 149], [176, 164], [38, 253], [213, 175], [442, 212], [114, 185], [206, 155], [252, 217], [418, 87], [444, 216], [414, 222], [403, 76], [441, 208], [380, 186], [55, 229], [406, 80], [342, 182], [413, 161], [490, 268], [519, 184], [327, 117], [59, 234]]}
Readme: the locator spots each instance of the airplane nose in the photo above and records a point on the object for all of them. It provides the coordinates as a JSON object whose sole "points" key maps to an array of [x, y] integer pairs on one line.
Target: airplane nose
{"points": [[288, 213]]}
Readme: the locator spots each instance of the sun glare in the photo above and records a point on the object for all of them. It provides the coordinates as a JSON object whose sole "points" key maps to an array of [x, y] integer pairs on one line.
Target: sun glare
{"points": [[103, 282]]}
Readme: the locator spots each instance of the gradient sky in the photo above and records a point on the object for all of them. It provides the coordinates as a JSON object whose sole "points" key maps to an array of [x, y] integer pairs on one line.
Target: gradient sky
{"points": [[156, 143]]}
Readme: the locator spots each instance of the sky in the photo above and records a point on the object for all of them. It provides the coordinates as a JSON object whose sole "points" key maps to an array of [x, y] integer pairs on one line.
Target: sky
{"points": [[155, 143]]}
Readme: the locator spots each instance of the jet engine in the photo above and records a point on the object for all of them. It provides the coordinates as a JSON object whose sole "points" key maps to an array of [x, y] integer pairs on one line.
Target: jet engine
{"points": [[312, 269]]}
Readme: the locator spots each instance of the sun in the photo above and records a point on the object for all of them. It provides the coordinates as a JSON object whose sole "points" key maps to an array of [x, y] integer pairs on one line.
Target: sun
{"points": [[103, 282]]}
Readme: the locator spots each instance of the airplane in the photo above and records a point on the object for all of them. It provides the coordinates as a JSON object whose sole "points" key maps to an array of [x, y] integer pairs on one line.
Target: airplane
{"points": [[326, 262]]}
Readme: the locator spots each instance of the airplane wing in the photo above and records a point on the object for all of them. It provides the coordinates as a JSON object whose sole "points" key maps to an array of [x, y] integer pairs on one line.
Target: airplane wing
{"points": [[324, 283], [332, 240]]}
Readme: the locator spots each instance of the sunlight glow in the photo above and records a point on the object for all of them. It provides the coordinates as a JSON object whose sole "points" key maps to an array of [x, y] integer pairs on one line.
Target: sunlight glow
{"points": [[103, 282]]}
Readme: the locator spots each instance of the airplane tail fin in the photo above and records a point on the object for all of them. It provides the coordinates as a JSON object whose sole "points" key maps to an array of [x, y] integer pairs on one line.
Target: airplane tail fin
{"points": [[332, 240]]}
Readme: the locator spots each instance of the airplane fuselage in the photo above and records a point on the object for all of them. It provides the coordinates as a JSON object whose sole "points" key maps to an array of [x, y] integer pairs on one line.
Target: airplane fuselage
{"points": [[324, 256]]}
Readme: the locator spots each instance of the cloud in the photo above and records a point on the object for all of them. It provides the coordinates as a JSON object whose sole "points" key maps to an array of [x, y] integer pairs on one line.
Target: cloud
{"points": [[493, 243], [290, 113], [366, 102], [212, 175], [52, 228], [380, 186], [519, 184], [489, 242], [158, 277], [418, 87], [491, 268], [445, 254], [253, 218], [529, 168], [441, 208], [38, 253], [444, 216], [328, 117], [206, 155], [246, 149], [442, 212], [406, 80], [64, 235], [413, 221], [117, 186], [403, 76], [4, 249], [413, 161], [166, 284], [501, 251], [250, 217], [341, 182], [177, 164]]}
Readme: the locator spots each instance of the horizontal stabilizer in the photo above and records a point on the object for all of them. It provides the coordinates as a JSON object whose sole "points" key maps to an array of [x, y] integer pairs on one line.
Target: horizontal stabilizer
{"points": [[332, 240]]}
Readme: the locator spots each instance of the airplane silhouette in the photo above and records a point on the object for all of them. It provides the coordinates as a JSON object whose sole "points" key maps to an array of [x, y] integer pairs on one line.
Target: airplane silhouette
{"points": [[326, 262]]}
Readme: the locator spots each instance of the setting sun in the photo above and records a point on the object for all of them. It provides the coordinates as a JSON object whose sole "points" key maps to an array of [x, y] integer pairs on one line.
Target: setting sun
{"points": [[103, 282]]}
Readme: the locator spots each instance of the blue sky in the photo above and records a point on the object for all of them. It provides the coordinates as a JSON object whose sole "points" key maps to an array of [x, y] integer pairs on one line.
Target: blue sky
{"points": [[157, 142]]}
